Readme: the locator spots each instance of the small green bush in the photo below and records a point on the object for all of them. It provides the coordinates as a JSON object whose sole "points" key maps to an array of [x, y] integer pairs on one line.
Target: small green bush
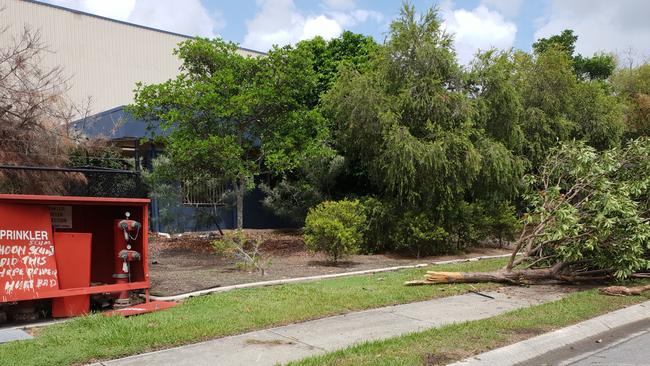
{"points": [[335, 227]]}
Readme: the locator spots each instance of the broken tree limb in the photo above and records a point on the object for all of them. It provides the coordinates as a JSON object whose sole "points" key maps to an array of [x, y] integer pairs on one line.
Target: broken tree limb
{"points": [[517, 277], [512, 277], [624, 291]]}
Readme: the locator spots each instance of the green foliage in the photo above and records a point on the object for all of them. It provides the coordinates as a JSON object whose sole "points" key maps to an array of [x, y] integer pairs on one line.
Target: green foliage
{"points": [[598, 67], [590, 209], [633, 85], [304, 187], [406, 123], [335, 227], [425, 142], [530, 103], [502, 222], [349, 49], [232, 116], [565, 41], [380, 222], [499, 103], [477, 222], [419, 234], [314, 177]]}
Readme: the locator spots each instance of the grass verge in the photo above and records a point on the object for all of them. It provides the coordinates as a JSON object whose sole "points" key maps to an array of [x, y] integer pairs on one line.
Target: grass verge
{"points": [[440, 346], [96, 337]]}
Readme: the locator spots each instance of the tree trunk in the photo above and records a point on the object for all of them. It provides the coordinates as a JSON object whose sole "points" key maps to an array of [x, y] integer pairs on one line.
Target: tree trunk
{"points": [[239, 195], [433, 277], [521, 276]]}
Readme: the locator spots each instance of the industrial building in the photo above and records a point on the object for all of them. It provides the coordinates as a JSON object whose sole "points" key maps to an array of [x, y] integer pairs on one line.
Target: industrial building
{"points": [[103, 58]]}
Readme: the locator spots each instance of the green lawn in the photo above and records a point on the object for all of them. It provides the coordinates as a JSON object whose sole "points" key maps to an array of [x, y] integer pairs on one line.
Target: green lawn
{"points": [[455, 342], [97, 337]]}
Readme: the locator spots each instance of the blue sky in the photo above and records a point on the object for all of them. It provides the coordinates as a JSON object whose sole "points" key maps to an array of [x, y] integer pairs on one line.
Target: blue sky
{"points": [[602, 25], [524, 15]]}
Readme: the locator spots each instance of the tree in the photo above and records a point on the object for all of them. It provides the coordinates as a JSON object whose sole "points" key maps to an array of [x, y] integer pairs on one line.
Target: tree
{"points": [[532, 102], [318, 177], [498, 101], [299, 190], [351, 49], [633, 86], [407, 125], [34, 118], [598, 67], [589, 218], [231, 117]]}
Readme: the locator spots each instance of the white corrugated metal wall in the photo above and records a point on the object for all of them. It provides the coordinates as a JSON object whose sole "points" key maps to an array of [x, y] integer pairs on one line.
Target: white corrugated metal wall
{"points": [[103, 58]]}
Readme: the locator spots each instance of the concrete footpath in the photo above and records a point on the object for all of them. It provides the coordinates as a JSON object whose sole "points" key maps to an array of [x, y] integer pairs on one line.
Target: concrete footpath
{"points": [[572, 345], [297, 341]]}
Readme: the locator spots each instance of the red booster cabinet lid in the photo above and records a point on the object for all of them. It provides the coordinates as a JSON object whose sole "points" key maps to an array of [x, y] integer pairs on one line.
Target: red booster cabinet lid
{"points": [[27, 262]]}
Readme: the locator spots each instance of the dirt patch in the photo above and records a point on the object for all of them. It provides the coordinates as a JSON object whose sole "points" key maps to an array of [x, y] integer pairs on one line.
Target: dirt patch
{"points": [[542, 292], [188, 263], [524, 333], [433, 359], [273, 342]]}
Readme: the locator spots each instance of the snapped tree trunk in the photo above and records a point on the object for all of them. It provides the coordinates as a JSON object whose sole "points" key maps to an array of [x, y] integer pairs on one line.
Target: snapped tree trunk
{"points": [[509, 276], [433, 277], [239, 202]]}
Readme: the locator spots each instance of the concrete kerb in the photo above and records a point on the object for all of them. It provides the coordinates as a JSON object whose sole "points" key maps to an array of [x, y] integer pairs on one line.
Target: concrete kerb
{"points": [[537, 346], [316, 278]]}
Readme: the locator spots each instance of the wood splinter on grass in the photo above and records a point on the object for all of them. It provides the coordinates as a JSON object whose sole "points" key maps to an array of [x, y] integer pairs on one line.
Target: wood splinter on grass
{"points": [[624, 291]]}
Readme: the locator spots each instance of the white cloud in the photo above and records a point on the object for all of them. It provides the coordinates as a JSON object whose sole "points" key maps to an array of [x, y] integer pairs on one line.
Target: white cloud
{"points": [[480, 28], [509, 8], [356, 16], [187, 17], [280, 22], [119, 9], [601, 25], [321, 26]]}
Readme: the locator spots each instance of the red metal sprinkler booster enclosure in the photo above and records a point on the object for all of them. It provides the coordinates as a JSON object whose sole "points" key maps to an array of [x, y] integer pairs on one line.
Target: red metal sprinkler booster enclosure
{"points": [[63, 249]]}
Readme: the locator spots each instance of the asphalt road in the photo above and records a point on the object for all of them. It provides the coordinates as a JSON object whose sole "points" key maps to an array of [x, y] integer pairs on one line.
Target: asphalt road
{"points": [[622, 346]]}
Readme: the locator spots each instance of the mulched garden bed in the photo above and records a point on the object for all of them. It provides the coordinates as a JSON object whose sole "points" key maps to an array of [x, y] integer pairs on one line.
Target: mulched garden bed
{"points": [[188, 263]]}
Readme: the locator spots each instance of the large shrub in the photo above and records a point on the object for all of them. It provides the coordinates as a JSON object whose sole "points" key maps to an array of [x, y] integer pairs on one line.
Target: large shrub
{"points": [[474, 223], [335, 227], [419, 234]]}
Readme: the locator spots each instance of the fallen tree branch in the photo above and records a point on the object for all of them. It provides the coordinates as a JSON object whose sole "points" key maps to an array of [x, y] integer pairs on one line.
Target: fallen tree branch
{"points": [[517, 277], [624, 291]]}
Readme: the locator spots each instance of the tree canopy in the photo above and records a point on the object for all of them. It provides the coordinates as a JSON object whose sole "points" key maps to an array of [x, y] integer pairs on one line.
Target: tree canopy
{"points": [[230, 116], [435, 151], [598, 67], [633, 86], [409, 125]]}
